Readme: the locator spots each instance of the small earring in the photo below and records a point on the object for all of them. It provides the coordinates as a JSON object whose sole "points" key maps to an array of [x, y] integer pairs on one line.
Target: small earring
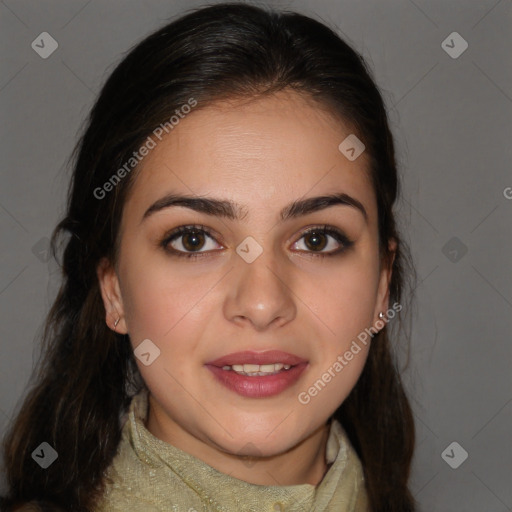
{"points": [[381, 315], [116, 322]]}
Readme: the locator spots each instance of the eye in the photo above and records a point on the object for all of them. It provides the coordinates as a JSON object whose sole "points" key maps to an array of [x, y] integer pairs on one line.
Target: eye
{"points": [[186, 241], [316, 239], [192, 241]]}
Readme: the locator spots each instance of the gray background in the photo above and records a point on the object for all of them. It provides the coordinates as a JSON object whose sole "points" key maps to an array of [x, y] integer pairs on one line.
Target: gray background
{"points": [[452, 122]]}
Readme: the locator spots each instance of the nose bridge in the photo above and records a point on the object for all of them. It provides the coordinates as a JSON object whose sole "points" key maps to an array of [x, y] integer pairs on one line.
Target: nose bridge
{"points": [[262, 291]]}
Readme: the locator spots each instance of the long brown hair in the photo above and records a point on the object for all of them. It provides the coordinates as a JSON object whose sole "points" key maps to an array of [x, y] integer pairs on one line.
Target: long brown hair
{"points": [[87, 374]]}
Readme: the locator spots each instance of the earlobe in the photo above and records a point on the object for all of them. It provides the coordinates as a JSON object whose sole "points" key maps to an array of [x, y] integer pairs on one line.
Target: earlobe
{"points": [[111, 295], [385, 280]]}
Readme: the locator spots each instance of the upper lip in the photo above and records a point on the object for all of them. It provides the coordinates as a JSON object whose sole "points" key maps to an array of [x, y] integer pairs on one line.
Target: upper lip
{"points": [[250, 357]]}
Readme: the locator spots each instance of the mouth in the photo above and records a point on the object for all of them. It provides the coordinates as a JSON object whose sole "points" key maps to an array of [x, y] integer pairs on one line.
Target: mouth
{"points": [[258, 375], [257, 370], [258, 358]]}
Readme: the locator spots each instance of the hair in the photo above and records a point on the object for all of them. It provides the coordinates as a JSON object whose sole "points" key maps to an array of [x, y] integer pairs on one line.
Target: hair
{"points": [[87, 374]]}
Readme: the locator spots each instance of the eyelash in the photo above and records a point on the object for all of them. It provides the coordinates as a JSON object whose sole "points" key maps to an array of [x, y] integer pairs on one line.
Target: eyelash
{"points": [[197, 228]]}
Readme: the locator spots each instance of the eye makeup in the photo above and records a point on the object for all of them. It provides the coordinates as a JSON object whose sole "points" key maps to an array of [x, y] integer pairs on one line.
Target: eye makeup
{"points": [[199, 232]]}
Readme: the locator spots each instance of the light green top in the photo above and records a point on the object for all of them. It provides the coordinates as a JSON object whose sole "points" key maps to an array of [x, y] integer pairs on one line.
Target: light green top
{"points": [[150, 475]]}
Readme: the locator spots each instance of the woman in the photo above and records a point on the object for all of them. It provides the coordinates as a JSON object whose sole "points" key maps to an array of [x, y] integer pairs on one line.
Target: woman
{"points": [[220, 340]]}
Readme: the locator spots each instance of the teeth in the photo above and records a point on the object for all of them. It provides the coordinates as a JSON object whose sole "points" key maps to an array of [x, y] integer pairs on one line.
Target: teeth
{"points": [[256, 369]]}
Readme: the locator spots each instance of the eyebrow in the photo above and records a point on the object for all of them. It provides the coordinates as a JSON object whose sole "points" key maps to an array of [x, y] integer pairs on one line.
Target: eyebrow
{"points": [[234, 211]]}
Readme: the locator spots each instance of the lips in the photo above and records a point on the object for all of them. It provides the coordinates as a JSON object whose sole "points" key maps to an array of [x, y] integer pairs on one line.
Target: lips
{"points": [[259, 386], [260, 358]]}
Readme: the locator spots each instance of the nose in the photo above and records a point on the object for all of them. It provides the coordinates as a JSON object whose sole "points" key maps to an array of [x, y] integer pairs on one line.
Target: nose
{"points": [[260, 293]]}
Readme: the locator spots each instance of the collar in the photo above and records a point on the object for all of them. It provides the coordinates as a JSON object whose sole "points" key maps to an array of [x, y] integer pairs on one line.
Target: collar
{"points": [[341, 489]]}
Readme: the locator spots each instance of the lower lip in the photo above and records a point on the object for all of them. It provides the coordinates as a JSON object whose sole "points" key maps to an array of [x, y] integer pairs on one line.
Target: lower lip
{"points": [[260, 386]]}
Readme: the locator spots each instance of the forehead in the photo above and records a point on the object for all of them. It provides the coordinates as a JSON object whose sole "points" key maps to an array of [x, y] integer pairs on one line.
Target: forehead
{"points": [[261, 153]]}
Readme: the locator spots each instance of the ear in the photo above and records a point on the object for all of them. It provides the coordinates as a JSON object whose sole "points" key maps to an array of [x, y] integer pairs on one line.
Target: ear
{"points": [[111, 295], [386, 271]]}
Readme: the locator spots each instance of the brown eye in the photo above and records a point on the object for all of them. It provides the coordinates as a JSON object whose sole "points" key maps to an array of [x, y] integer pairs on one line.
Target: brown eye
{"points": [[189, 241], [192, 241], [315, 241]]}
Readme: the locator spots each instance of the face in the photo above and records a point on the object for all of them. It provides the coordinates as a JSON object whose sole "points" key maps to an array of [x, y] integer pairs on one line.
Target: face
{"points": [[267, 278]]}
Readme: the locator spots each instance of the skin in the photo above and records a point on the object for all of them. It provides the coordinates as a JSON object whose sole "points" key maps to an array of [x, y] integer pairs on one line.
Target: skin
{"points": [[262, 154]]}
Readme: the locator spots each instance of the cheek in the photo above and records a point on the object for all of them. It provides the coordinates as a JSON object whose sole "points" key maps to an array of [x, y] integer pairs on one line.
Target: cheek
{"points": [[346, 305], [343, 299], [333, 381], [154, 301]]}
